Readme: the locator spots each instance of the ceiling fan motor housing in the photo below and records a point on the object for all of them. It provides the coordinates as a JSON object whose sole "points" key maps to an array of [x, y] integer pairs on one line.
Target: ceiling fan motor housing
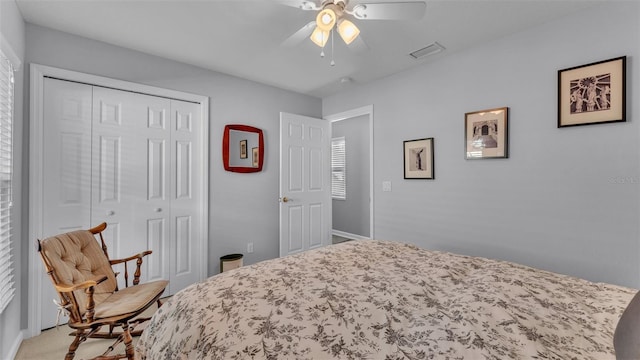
{"points": [[336, 5]]}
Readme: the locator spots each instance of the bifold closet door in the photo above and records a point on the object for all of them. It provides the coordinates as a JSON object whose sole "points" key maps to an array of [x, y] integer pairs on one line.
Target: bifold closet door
{"points": [[186, 197], [66, 171], [146, 181], [131, 139], [130, 160]]}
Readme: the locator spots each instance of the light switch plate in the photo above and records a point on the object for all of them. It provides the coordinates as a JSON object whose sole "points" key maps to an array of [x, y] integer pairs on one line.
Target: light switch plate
{"points": [[386, 186]]}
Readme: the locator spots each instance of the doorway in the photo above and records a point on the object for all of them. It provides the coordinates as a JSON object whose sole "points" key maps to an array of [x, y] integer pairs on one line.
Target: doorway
{"points": [[305, 186], [352, 208]]}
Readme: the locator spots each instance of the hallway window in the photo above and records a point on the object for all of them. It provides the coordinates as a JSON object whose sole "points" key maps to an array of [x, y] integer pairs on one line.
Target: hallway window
{"points": [[7, 284], [338, 169]]}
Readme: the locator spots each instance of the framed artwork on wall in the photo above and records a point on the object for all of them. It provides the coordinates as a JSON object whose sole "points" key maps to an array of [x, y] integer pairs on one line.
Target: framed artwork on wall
{"points": [[593, 93], [486, 134], [255, 156], [243, 149], [418, 159]]}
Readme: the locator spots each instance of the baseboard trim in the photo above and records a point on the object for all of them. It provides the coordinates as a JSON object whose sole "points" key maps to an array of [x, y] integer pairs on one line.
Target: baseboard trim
{"points": [[349, 235], [13, 351]]}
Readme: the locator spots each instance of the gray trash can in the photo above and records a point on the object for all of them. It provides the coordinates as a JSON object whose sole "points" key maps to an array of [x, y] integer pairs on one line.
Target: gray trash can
{"points": [[230, 262]]}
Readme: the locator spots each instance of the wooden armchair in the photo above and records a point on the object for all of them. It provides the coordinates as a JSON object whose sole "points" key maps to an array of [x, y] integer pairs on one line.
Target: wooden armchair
{"points": [[82, 275]]}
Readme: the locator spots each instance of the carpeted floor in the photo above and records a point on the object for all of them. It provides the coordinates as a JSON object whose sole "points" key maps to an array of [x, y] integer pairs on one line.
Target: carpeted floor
{"points": [[54, 343], [338, 239]]}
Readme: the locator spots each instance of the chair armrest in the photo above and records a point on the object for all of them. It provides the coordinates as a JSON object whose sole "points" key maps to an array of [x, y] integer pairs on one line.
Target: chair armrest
{"points": [[136, 275], [89, 287], [133, 257], [65, 288]]}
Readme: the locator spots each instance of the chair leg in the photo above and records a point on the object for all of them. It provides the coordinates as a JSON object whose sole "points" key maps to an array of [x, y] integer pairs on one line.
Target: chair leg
{"points": [[79, 339], [128, 342]]}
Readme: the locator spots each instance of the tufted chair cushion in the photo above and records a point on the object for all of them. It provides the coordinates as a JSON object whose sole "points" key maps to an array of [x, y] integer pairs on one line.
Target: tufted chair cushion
{"points": [[76, 257]]}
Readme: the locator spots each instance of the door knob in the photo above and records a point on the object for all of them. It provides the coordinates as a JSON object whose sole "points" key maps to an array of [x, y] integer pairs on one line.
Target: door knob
{"points": [[285, 199], [158, 209], [111, 213]]}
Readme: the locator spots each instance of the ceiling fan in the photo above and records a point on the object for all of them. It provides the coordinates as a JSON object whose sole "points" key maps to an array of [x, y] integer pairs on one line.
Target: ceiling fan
{"points": [[337, 15]]}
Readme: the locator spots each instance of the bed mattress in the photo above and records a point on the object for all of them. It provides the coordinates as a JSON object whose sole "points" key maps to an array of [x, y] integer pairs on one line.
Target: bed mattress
{"points": [[387, 300]]}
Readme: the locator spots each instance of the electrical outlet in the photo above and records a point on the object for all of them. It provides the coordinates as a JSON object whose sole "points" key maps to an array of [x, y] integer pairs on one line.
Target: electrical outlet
{"points": [[386, 186], [250, 248]]}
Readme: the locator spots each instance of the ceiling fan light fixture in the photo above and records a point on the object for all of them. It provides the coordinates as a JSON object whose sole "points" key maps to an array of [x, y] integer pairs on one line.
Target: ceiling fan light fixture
{"points": [[348, 31], [326, 19], [320, 37]]}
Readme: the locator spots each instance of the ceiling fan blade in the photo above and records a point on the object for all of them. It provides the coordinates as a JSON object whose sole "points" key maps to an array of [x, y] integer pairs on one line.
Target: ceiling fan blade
{"points": [[300, 35], [300, 4], [390, 11]]}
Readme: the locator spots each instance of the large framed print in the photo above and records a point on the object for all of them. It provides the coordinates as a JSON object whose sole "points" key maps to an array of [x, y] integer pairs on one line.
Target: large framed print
{"points": [[486, 134], [418, 159], [592, 94]]}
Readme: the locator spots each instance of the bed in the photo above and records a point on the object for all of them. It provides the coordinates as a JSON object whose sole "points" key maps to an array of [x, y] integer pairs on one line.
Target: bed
{"points": [[387, 300]]}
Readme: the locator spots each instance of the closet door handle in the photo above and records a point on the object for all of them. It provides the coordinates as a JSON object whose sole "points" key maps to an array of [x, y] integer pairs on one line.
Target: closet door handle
{"points": [[111, 213], [158, 209]]}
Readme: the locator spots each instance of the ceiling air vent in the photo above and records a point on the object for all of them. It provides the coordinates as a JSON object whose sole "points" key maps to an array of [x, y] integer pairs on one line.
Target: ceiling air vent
{"points": [[427, 50]]}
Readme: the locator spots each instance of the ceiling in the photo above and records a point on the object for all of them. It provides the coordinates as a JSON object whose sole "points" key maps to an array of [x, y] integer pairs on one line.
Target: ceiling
{"points": [[244, 37]]}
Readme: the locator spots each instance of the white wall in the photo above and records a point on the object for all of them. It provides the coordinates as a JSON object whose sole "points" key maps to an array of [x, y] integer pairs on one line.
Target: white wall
{"points": [[566, 200], [243, 207], [12, 28]]}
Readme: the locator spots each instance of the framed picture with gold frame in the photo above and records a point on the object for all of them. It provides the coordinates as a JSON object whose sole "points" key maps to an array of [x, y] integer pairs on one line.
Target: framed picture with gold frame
{"points": [[593, 93], [486, 134]]}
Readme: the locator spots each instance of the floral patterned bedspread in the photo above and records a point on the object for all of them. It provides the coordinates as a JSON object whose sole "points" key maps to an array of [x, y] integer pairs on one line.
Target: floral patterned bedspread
{"points": [[386, 300]]}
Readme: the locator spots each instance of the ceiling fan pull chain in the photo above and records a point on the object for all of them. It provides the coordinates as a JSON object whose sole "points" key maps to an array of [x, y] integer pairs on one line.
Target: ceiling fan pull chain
{"points": [[322, 52], [333, 63]]}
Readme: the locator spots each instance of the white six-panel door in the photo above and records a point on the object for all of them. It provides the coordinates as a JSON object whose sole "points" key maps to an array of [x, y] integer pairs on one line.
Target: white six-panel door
{"points": [[67, 164], [186, 181], [147, 181], [119, 190], [131, 160], [305, 183]]}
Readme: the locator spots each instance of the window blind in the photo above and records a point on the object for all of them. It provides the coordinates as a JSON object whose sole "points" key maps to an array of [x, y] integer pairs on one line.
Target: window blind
{"points": [[338, 169], [7, 283]]}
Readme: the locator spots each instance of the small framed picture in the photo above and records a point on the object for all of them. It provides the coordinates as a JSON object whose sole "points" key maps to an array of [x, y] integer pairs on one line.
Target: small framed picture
{"points": [[418, 159], [243, 149], [486, 134], [255, 157], [592, 94]]}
